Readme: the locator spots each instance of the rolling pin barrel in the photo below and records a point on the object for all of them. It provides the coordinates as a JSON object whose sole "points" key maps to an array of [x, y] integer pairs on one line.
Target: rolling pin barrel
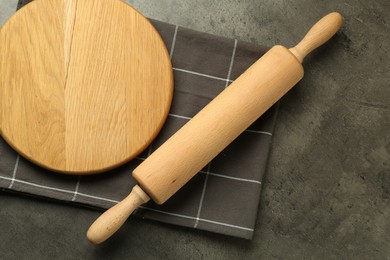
{"points": [[218, 124]]}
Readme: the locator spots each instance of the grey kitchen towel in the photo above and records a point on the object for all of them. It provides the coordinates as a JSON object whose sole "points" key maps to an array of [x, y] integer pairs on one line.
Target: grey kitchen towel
{"points": [[224, 196]]}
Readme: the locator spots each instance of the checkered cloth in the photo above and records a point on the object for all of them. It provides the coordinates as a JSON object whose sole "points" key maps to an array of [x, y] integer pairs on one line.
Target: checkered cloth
{"points": [[224, 196]]}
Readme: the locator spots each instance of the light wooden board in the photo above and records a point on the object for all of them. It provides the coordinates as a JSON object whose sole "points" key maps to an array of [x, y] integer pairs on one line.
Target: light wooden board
{"points": [[85, 85]]}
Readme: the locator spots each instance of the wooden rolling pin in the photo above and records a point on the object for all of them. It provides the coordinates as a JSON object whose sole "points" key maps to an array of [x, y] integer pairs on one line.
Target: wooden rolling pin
{"points": [[191, 148]]}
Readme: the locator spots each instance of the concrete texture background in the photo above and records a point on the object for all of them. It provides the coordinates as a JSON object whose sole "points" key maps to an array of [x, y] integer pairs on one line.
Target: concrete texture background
{"points": [[327, 189]]}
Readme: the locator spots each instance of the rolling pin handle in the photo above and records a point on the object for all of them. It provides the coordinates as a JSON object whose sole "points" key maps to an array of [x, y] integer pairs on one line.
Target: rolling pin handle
{"points": [[320, 33], [111, 220]]}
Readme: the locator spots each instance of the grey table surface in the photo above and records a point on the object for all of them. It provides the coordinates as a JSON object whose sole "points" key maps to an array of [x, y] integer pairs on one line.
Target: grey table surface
{"points": [[326, 193]]}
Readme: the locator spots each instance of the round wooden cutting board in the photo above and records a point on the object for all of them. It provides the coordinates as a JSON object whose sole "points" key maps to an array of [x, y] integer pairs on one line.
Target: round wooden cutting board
{"points": [[85, 85]]}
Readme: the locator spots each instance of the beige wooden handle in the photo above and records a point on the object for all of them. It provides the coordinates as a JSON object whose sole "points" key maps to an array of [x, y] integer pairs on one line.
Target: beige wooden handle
{"points": [[321, 32], [111, 220]]}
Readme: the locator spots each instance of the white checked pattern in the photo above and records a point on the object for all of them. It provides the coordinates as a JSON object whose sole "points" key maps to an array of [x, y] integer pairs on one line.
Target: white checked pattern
{"points": [[196, 219], [76, 191], [231, 64], [174, 41], [202, 75], [202, 196], [14, 172], [45, 187]]}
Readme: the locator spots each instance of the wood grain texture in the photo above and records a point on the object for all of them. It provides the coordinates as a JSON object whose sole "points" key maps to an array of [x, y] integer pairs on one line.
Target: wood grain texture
{"points": [[85, 85]]}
